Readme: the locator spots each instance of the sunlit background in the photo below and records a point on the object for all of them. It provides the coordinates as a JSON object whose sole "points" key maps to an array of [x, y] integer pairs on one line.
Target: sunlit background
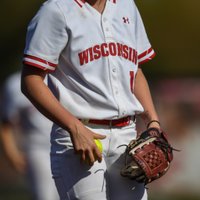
{"points": [[174, 77]]}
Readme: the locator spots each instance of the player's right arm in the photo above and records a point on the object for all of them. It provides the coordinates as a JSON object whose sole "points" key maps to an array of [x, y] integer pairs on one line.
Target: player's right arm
{"points": [[34, 88], [12, 152], [46, 39]]}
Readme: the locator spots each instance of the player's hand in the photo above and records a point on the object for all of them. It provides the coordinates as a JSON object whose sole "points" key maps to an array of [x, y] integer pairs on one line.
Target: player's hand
{"points": [[19, 163], [84, 145]]}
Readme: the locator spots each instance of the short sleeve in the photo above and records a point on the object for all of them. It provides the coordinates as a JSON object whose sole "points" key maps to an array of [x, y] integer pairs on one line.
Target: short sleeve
{"points": [[46, 37], [144, 49]]}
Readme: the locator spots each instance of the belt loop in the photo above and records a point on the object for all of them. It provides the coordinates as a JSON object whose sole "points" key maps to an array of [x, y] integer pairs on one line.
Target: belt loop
{"points": [[110, 123], [133, 118], [129, 120]]}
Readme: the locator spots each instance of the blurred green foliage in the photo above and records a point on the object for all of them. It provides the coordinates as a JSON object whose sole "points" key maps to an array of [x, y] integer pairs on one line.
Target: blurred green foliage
{"points": [[173, 29], [172, 26], [14, 18]]}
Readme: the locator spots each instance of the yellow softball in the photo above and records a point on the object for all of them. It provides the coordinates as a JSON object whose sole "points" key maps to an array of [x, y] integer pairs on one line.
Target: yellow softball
{"points": [[99, 145]]}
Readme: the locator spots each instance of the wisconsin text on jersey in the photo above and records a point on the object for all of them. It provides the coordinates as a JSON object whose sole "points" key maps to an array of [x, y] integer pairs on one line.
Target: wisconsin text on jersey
{"points": [[108, 49]]}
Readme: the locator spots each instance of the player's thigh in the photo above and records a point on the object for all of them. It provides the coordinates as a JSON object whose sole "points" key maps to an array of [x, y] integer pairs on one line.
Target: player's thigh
{"points": [[122, 187], [76, 180], [125, 188]]}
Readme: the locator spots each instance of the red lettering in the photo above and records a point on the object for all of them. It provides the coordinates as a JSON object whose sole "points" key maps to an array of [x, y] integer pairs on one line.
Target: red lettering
{"points": [[83, 57], [112, 49], [91, 54], [125, 51], [103, 50], [119, 49], [130, 53], [106, 49], [134, 57], [97, 52]]}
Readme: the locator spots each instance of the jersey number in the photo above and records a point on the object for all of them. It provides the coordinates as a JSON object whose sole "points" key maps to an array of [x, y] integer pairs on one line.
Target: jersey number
{"points": [[132, 80]]}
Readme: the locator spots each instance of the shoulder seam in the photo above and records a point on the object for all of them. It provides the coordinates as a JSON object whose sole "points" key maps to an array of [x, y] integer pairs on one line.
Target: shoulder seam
{"points": [[60, 8]]}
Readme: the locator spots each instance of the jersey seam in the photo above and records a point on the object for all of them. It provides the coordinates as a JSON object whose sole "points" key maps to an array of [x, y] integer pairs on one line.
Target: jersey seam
{"points": [[62, 12]]}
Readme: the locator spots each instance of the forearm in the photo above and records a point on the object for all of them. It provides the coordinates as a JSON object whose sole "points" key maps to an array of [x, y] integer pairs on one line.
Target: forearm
{"points": [[14, 155], [39, 94], [142, 92]]}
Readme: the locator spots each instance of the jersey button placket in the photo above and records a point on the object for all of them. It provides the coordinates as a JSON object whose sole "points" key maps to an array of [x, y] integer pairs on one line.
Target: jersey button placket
{"points": [[115, 76], [107, 29], [117, 93], [114, 80], [115, 83]]}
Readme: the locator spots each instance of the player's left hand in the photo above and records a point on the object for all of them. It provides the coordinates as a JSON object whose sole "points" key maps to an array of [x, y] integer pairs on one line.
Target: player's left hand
{"points": [[149, 156]]}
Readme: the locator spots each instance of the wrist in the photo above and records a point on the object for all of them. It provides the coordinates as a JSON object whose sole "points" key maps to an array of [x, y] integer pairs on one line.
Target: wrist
{"points": [[74, 125], [153, 123]]}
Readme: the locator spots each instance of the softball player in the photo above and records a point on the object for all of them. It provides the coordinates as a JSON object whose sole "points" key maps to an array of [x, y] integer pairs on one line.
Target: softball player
{"points": [[91, 51], [30, 155]]}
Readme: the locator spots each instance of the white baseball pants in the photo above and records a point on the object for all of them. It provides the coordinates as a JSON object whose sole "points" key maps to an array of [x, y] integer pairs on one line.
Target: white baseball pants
{"points": [[102, 181]]}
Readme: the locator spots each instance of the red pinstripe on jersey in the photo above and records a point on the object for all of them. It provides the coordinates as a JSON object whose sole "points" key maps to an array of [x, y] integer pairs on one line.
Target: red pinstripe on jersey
{"points": [[38, 62]]}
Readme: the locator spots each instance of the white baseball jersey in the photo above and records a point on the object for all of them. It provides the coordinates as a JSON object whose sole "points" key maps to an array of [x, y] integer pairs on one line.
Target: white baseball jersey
{"points": [[92, 58]]}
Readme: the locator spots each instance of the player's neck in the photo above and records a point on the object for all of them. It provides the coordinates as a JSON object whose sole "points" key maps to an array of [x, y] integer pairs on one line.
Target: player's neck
{"points": [[99, 5]]}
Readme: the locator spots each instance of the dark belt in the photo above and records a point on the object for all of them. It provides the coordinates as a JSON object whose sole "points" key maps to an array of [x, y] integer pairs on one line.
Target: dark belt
{"points": [[115, 122]]}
